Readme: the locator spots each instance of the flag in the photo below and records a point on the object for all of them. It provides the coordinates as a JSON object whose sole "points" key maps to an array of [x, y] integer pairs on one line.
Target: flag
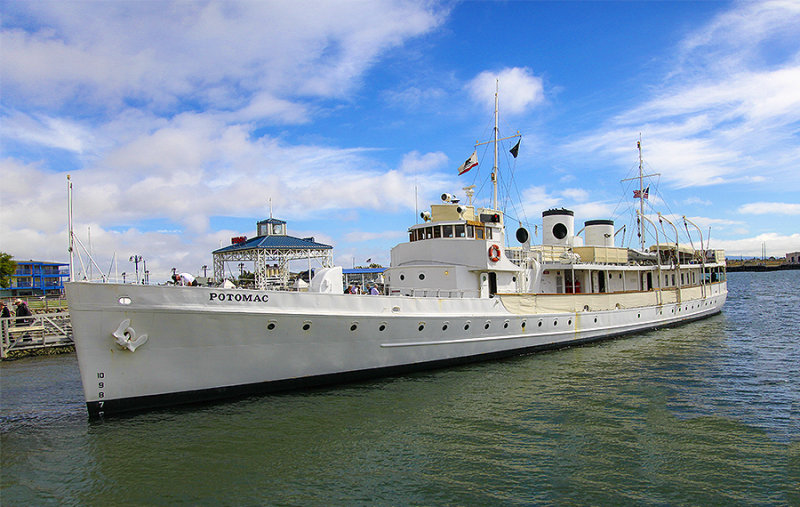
{"points": [[642, 194], [369, 260], [515, 150], [471, 162]]}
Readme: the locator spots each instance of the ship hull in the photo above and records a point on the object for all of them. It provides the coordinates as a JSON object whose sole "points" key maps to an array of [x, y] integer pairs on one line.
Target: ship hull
{"points": [[141, 347]]}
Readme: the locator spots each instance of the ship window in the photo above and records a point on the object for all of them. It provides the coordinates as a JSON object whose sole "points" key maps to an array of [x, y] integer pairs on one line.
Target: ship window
{"points": [[411, 236], [470, 231], [422, 276], [460, 231], [488, 233], [447, 231], [437, 232], [428, 232], [479, 233]]}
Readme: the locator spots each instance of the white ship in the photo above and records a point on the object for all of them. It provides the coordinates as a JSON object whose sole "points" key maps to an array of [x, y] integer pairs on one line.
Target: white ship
{"points": [[454, 293]]}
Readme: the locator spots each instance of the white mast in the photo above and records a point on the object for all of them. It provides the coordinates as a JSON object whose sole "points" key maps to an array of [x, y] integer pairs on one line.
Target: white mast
{"points": [[69, 231], [641, 190], [496, 140], [494, 169]]}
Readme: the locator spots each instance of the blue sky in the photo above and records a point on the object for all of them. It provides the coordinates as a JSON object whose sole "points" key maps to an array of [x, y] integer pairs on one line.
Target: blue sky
{"points": [[180, 121]]}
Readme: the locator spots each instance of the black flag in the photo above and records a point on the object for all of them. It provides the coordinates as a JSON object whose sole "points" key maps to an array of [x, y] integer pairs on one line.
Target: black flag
{"points": [[515, 150]]}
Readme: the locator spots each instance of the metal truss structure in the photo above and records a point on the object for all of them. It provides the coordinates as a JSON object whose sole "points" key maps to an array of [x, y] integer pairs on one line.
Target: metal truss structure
{"points": [[262, 258]]}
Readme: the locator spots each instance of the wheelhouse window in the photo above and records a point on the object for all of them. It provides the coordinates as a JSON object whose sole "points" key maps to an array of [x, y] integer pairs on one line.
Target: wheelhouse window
{"points": [[447, 231], [437, 232], [479, 233], [460, 231], [428, 232], [488, 233], [470, 231]]}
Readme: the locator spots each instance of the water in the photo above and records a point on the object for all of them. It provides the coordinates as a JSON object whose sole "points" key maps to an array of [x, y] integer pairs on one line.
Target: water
{"points": [[703, 414]]}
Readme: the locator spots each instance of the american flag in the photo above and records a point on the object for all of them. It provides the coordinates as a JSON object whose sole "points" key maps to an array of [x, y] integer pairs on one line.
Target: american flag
{"points": [[641, 194]]}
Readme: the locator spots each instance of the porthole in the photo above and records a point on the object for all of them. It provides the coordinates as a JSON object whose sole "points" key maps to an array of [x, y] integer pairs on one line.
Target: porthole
{"points": [[382, 327], [595, 320], [569, 322], [422, 276], [421, 326], [505, 325], [271, 326], [466, 326], [638, 315], [354, 326], [486, 326], [524, 323], [402, 277], [306, 326], [585, 308], [540, 323], [514, 279], [555, 322], [444, 326]]}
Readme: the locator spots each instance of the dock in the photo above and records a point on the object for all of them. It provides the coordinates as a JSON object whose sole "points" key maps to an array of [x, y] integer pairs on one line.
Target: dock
{"points": [[49, 331]]}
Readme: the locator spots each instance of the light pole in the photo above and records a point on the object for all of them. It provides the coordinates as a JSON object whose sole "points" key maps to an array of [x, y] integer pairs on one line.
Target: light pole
{"points": [[205, 267], [136, 259], [123, 277]]}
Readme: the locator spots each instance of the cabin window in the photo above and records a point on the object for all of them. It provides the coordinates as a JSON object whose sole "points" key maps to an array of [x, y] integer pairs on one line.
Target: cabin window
{"points": [[673, 280], [470, 231], [411, 236], [666, 280], [437, 232], [479, 233], [428, 232], [460, 233], [447, 231], [488, 233]]}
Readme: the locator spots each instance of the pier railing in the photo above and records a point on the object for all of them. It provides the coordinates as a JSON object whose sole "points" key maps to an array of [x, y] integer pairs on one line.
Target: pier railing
{"points": [[42, 330]]}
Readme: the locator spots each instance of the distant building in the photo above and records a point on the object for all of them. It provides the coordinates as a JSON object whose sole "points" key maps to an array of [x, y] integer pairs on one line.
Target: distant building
{"points": [[793, 258], [37, 278]]}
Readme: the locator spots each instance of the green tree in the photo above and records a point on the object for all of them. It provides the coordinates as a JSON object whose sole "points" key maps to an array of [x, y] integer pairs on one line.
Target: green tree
{"points": [[7, 268]]}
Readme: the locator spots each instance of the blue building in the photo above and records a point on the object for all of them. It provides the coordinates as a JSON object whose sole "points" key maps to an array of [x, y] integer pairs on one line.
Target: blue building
{"points": [[37, 278]]}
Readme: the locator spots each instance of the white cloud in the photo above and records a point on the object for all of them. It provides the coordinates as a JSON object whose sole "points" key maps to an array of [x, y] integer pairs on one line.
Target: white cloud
{"points": [[722, 114], [520, 90], [220, 54], [770, 208], [777, 245], [362, 236]]}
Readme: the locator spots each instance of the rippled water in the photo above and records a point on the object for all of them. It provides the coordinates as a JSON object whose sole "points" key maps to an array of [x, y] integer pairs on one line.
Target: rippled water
{"points": [[706, 413]]}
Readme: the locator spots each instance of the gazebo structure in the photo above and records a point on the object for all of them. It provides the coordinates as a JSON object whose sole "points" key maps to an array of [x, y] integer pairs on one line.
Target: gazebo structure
{"points": [[271, 251]]}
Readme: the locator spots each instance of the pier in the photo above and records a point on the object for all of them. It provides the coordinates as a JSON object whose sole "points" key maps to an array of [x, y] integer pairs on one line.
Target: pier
{"points": [[50, 330]]}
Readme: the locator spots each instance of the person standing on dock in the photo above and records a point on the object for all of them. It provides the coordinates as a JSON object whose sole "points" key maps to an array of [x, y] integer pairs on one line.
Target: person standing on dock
{"points": [[23, 313], [5, 313]]}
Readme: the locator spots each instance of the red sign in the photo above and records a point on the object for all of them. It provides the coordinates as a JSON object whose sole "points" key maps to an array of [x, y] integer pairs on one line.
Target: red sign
{"points": [[238, 239]]}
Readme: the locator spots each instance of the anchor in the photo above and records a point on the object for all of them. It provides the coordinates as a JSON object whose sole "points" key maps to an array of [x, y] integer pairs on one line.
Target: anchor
{"points": [[125, 336]]}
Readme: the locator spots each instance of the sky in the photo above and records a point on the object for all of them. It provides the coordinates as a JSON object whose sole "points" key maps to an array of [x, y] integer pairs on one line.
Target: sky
{"points": [[182, 124]]}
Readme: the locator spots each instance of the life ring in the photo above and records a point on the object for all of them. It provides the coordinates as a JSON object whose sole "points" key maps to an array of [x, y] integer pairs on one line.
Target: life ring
{"points": [[494, 253]]}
